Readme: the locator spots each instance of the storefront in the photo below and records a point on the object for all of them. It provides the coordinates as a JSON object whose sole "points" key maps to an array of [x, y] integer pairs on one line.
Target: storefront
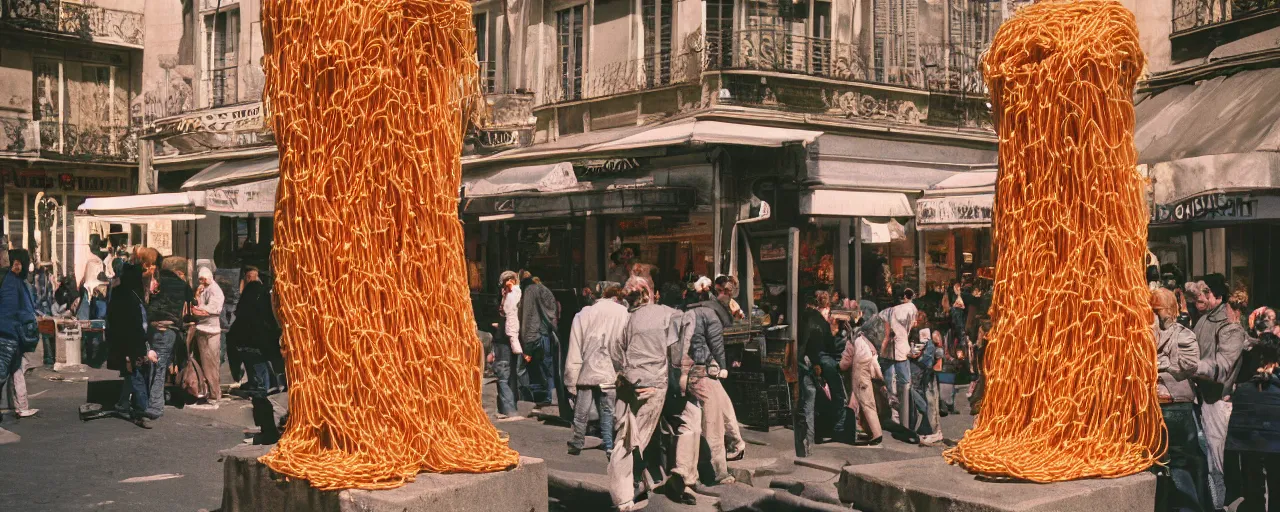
{"points": [[955, 217], [146, 219], [40, 207]]}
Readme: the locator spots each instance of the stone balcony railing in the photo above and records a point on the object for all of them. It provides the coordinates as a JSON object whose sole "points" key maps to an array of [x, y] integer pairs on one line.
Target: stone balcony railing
{"points": [[82, 20]]}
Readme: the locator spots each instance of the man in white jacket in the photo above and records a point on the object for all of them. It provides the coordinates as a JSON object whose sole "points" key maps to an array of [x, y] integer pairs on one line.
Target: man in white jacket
{"points": [[588, 371], [506, 352]]}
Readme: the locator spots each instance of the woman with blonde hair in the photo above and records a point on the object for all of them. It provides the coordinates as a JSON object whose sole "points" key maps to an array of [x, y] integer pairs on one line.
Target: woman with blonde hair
{"points": [[1186, 485]]}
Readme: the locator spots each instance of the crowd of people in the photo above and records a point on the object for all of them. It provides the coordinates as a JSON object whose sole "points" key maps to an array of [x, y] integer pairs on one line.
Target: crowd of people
{"points": [[145, 320]]}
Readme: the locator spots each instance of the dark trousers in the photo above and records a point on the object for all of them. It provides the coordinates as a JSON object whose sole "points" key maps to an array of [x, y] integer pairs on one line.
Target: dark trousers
{"points": [[543, 384], [1183, 486], [832, 414], [1261, 473], [258, 368], [804, 413]]}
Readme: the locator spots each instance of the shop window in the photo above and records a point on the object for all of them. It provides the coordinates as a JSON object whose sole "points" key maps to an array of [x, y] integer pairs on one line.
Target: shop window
{"points": [[1170, 247], [551, 252], [889, 259], [569, 51], [817, 257], [670, 248], [720, 32]]}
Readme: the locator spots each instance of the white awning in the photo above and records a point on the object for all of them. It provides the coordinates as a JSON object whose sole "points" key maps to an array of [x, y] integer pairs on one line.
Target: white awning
{"points": [[255, 197], [855, 203], [144, 204], [882, 232], [229, 172], [964, 183], [709, 132], [557, 177]]}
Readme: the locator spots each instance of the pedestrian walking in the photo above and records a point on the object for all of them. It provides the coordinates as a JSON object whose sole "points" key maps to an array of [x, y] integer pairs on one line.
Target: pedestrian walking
{"points": [[539, 313], [588, 370], [1252, 432], [166, 310], [507, 348], [207, 346], [642, 358], [1221, 342], [129, 347], [18, 333], [893, 355], [43, 288], [1186, 485], [256, 336], [924, 397], [859, 358], [708, 406], [814, 333]]}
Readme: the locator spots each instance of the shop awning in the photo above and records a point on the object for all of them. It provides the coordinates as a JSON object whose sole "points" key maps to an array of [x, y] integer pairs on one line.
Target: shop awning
{"points": [[854, 203], [862, 163], [633, 201], [1238, 151], [558, 177], [709, 132], [145, 207], [229, 172]]}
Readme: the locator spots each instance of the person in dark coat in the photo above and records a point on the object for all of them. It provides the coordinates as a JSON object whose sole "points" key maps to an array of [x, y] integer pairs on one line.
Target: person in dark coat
{"points": [[1253, 431], [814, 334], [128, 351], [255, 334]]}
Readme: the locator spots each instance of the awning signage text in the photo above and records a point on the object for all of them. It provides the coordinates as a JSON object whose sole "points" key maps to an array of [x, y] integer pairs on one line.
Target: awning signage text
{"points": [[955, 210], [1206, 208]]}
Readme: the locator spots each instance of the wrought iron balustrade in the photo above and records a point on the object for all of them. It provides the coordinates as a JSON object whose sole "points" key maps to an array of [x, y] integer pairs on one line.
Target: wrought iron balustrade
{"points": [[88, 22], [620, 77], [67, 141], [1193, 14], [14, 133], [222, 86]]}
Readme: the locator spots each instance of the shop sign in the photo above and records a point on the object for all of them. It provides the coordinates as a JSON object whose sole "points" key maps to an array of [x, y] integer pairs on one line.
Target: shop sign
{"points": [[255, 197], [43, 180], [1206, 208], [488, 141], [605, 166], [160, 236], [955, 210], [773, 251], [232, 119]]}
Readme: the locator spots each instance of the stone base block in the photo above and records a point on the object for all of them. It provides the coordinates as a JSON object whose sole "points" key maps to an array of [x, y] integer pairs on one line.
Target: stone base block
{"points": [[249, 485], [930, 484]]}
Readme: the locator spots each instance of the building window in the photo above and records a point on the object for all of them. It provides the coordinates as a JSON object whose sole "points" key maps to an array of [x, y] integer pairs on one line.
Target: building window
{"points": [[896, 42], [569, 45], [222, 42], [657, 41], [485, 52], [48, 95], [720, 32]]}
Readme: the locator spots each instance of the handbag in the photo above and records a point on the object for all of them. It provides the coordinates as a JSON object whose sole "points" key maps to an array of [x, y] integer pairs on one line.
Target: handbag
{"points": [[28, 330]]}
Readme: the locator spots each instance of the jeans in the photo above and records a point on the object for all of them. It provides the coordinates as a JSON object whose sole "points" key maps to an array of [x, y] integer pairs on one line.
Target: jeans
{"points": [[602, 399], [162, 342], [920, 394], [94, 351], [545, 359], [49, 342], [10, 358], [258, 369], [804, 413], [139, 385], [1186, 485], [897, 377], [502, 357]]}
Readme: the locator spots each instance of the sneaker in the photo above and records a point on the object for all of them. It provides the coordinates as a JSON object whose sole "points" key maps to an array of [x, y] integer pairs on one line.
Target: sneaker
{"points": [[27, 413], [142, 422]]}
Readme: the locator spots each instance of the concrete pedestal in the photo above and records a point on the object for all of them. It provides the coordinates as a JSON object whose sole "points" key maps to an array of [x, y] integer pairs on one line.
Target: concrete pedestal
{"points": [[930, 484], [249, 485]]}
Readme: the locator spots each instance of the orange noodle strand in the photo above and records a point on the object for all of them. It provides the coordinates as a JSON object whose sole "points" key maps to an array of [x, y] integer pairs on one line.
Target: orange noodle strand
{"points": [[1071, 362], [368, 101]]}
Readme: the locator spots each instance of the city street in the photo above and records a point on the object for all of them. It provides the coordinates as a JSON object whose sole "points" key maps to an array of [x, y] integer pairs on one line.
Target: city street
{"points": [[109, 464]]}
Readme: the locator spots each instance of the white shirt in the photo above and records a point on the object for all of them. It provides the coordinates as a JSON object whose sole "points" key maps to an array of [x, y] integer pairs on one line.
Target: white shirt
{"points": [[511, 311], [210, 300], [901, 318]]}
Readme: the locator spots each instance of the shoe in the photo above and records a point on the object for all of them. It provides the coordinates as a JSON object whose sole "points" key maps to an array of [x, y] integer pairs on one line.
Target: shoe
{"points": [[629, 506], [869, 442], [687, 497], [574, 450], [727, 480], [142, 422], [738, 456], [27, 413], [943, 413]]}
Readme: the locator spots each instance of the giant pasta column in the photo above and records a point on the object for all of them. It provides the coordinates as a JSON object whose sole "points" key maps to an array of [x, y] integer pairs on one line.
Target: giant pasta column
{"points": [[368, 100], [1071, 363]]}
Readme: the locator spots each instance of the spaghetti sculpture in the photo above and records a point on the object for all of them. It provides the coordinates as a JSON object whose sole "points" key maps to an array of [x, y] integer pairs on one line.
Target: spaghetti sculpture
{"points": [[1071, 390], [368, 100]]}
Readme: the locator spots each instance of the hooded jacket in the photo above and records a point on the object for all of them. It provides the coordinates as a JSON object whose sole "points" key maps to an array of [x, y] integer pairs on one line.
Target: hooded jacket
{"points": [[595, 331], [706, 345], [1221, 342], [255, 325]]}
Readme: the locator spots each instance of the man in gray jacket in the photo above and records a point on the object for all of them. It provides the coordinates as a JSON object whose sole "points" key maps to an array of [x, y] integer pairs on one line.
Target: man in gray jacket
{"points": [[1221, 342], [539, 314], [711, 407], [588, 370], [1177, 356], [641, 359]]}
